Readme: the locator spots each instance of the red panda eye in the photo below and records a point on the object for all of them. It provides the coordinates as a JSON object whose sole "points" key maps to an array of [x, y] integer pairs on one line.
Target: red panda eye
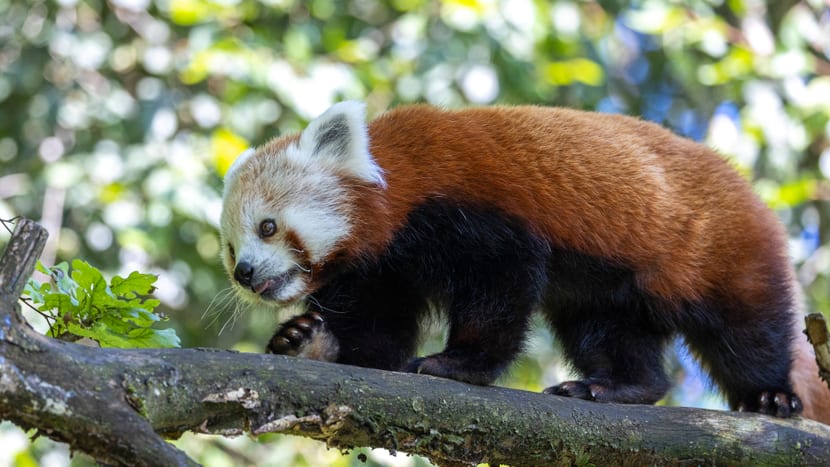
{"points": [[232, 252], [267, 228]]}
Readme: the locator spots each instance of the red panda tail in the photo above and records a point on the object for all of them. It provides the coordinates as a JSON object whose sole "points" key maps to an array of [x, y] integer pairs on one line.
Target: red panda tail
{"points": [[813, 391]]}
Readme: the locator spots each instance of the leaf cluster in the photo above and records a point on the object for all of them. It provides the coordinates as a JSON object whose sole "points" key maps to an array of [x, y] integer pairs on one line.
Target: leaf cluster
{"points": [[80, 303]]}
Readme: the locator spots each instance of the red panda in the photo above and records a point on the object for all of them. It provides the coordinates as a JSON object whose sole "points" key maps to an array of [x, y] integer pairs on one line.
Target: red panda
{"points": [[622, 234]]}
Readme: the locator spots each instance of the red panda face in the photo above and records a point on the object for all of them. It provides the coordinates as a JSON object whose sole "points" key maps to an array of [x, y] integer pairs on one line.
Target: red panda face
{"points": [[286, 209]]}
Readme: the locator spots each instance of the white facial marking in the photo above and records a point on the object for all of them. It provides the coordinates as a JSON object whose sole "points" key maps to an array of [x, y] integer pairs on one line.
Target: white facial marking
{"points": [[291, 290], [321, 232]]}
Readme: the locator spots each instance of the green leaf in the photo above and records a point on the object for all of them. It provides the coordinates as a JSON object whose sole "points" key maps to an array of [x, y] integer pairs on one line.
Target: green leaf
{"points": [[102, 334], [155, 338], [135, 283], [60, 302], [98, 296], [140, 317], [132, 339], [34, 290], [39, 267]]}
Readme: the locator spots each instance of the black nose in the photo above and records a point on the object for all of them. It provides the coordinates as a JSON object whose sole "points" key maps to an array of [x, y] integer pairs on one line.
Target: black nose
{"points": [[243, 273]]}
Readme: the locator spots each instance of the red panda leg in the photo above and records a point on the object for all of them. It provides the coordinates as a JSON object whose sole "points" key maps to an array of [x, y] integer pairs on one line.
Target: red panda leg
{"points": [[748, 353], [364, 319], [620, 361], [487, 331], [486, 270]]}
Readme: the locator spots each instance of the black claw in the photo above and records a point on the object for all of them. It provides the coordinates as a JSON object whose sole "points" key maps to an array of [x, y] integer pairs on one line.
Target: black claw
{"points": [[575, 389], [278, 345], [778, 404], [305, 326], [294, 334], [795, 404]]}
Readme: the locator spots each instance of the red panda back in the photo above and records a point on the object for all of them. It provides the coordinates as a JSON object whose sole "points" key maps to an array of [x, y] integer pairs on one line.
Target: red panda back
{"points": [[605, 185]]}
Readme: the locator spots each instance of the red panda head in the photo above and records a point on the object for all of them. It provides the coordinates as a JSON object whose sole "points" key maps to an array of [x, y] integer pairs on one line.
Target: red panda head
{"points": [[286, 208]]}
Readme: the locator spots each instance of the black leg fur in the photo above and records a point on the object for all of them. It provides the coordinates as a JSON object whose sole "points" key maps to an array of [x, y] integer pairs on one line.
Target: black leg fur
{"points": [[489, 317], [374, 316], [749, 359], [487, 272], [620, 360], [611, 333]]}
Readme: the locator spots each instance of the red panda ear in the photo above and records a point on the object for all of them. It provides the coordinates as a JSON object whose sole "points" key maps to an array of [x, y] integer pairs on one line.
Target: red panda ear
{"points": [[338, 139]]}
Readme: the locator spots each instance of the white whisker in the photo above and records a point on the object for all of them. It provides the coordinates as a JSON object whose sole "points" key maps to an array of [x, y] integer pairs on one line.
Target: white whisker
{"points": [[237, 312], [220, 301], [321, 307], [224, 299], [307, 270]]}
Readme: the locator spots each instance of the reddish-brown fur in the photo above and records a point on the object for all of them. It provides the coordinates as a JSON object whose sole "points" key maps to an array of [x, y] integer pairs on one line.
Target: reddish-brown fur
{"points": [[648, 213]]}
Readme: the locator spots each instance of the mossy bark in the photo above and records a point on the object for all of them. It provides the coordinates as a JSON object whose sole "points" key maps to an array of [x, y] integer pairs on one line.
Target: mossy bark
{"points": [[118, 404]]}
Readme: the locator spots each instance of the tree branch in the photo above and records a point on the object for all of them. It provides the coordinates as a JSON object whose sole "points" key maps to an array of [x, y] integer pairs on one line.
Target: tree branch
{"points": [[818, 336], [19, 259], [63, 396], [111, 403]]}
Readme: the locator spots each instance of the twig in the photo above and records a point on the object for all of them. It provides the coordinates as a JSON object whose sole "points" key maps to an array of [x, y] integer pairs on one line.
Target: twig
{"points": [[819, 336], [50, 320]]}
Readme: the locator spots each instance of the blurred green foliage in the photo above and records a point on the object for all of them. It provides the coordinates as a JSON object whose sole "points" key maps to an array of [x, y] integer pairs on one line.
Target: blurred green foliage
{"points": [[118, 118]]}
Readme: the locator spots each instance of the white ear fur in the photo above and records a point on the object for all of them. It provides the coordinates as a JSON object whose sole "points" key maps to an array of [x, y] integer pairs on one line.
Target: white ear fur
{"points": [[237, 163], [339, 138]]}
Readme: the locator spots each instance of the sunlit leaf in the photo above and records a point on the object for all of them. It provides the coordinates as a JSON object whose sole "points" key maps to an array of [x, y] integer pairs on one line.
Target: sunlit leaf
{"points": [[135, 283], [111, 192], [786, 195], [575, 70], [226, 146], [190, 12]]}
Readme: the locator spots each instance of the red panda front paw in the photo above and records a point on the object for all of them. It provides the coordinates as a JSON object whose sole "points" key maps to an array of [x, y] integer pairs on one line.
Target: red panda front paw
{"points": [[295, 334], [779, 404], [575, 389]]}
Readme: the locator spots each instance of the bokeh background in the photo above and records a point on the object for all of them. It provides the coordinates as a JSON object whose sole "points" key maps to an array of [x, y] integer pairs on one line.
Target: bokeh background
{"points": [[118, 119]]}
